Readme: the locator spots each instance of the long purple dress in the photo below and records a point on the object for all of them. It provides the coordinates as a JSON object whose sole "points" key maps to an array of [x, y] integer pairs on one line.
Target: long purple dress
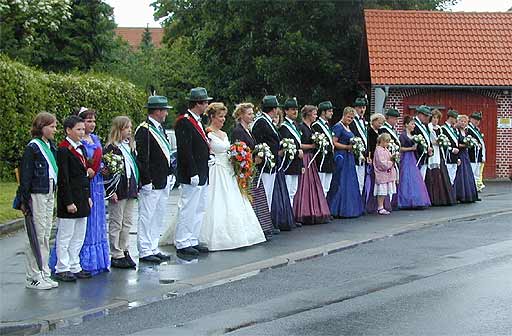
{"points": [[464, 183], [412, 191], [344, 197], [309, 204]]}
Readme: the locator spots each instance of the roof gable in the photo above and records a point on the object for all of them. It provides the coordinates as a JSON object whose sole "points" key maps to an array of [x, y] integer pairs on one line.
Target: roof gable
{"points": [[133, 35], [439, 48]]}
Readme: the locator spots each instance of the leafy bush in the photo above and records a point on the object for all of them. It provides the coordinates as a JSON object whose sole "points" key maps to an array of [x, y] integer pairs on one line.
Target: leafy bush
{"points": [[26, 91]]}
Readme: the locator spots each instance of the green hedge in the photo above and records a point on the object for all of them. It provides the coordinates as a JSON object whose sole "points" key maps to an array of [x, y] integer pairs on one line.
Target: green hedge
{"points": [[26, 91]]}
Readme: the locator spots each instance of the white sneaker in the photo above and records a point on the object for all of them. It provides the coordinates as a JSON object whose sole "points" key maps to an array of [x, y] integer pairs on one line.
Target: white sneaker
{"points": [[52, 282], [38, 283]]}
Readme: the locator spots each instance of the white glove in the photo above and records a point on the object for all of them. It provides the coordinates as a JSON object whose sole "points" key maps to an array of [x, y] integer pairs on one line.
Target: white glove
{"points": [[194, 181], [147, 187], [211, 160], [171, 180]]}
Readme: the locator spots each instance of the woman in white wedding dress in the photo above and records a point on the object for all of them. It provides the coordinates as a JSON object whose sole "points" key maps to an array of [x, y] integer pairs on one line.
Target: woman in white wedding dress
{"points": [[229, 221]]}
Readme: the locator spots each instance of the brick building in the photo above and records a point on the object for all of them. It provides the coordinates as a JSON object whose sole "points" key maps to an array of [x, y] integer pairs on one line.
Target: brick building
{"points": [[133, 35], [445, 60]]}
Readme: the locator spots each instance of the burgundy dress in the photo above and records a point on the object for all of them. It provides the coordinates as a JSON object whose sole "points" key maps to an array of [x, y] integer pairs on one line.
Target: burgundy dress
{"points": [[309, 204]]}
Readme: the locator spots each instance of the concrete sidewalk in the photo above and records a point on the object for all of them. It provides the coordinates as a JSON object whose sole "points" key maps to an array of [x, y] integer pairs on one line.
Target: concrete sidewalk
{"points": [[33, 311]]}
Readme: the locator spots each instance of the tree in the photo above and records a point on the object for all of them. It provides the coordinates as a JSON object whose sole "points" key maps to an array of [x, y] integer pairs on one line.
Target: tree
{"points": [[26, 25], [146, 42], [306, 49]]}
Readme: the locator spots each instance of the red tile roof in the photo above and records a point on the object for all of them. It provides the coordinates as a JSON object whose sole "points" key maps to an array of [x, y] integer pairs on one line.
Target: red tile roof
{"points": [[439, 48], [134, 35]]}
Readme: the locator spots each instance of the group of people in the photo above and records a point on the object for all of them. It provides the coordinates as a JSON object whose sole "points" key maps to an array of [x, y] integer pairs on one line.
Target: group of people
{"points": [[304, 173]]}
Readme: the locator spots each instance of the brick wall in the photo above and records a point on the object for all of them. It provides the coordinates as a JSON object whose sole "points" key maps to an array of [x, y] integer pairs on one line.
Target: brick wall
{"points": [[503, 136]]}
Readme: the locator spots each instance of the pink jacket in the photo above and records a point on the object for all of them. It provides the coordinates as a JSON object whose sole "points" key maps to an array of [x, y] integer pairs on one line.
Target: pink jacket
{"points": [[383, 166]]}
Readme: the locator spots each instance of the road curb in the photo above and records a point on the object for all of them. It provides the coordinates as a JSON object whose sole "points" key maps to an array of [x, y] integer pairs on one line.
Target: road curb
{"points": [[12, 226], [184, 287]]}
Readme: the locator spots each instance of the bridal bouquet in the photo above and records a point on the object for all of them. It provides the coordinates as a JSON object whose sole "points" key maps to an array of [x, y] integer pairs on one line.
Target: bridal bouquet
{"points": [[443, 141], [470, 142], [394, 149], [358, 148], [114, 166], [420, 140], [289, 151], [322, 143], [263, 151], [240, 157]]}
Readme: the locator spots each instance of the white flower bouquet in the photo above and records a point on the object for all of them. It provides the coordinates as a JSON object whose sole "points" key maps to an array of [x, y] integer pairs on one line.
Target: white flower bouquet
{"points": [[358, 148], [443, 141], [289, 151], [470, 142], [394, 149], [114, 163], [420, 141], [322, 143]]}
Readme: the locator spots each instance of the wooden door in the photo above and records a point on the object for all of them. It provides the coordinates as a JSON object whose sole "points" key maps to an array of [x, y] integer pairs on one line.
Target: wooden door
{"points": [[464, 103]]}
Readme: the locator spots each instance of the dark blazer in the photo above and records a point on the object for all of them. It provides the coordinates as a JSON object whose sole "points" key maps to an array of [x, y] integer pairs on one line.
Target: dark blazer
{"points": [[193, 151], [264, 133], [420, 150], [328, 165], [372, 141], [34, 175], [472, 151], [450, 157], [394, 136], [296, 165], [151, 160], [240, 134], [72, 185], [125, 189], [356, 133]]}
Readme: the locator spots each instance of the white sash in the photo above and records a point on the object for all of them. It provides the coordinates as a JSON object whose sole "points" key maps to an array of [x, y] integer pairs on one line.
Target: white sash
{"points": [[392, 132], [480, 139], [51, 172], [423, 130], [293, 132], [159, 140], [451, 134], [326, 131], [361, 131], [269, 122], [128, 161]]}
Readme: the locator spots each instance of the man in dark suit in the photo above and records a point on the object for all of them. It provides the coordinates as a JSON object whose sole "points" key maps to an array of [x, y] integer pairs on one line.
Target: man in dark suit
{"points": [[477, 154], [154, 163], [73, 202], [325, 162], [289, 130], [391, 115], [359, 128], [421, 120], [452, 154], [193, 162], [264, 131]]}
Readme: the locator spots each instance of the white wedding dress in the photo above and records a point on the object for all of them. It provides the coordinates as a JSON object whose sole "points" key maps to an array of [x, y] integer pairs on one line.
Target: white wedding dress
{"points": [[230, 221]]}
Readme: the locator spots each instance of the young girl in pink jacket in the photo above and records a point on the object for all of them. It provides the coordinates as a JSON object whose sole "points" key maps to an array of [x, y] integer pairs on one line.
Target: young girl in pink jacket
{"points": [[385, 173]]}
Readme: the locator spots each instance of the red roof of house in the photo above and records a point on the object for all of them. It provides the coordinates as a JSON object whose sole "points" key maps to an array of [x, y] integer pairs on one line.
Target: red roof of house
{"points": [[439, 48], [133, 35]]}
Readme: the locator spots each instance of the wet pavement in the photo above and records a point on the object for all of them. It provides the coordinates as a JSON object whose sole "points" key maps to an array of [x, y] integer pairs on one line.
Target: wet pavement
{"points": [[119, 288]]}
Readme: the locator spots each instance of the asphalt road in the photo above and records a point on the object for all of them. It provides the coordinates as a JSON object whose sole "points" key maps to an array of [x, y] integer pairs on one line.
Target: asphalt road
{"points": [[450, 279]]}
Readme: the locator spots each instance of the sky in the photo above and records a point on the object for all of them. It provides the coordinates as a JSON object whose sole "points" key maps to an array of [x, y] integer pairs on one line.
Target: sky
{"points": [[139, 13]]}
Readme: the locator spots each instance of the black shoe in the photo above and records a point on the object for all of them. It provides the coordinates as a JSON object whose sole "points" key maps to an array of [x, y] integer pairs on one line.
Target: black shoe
{"points": [[188, 251], [201, 249], [162, 256], [276, 231], [120, 263], [129, 259], [298, 224], [478, 199], [83, 275], [151, 259], [64, 277]]}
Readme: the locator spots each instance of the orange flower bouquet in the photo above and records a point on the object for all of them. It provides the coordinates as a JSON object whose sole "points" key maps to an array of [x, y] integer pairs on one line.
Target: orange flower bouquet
{"points": [[240, 156]]}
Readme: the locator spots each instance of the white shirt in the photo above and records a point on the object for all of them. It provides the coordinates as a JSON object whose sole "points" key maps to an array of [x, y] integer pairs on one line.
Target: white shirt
{"points": [[75, 145]]}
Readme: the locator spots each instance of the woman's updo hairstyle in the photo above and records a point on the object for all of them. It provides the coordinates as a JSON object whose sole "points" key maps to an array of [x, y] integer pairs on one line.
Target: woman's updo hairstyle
{"points": [[241, 109]]}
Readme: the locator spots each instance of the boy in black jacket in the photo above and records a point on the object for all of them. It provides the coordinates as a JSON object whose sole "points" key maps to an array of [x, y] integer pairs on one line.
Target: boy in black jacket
{"points": [[73, 202]]}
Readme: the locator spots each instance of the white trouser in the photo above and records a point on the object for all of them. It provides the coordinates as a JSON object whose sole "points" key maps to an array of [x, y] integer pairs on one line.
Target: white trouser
{"points": [[120, 218], [325, 179], [70, 238], [152, 212], [191, 208], [452, 171], [475, 167], [361, 173], [42, 214], [268, 183], [423, 171], [292, 183]]}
